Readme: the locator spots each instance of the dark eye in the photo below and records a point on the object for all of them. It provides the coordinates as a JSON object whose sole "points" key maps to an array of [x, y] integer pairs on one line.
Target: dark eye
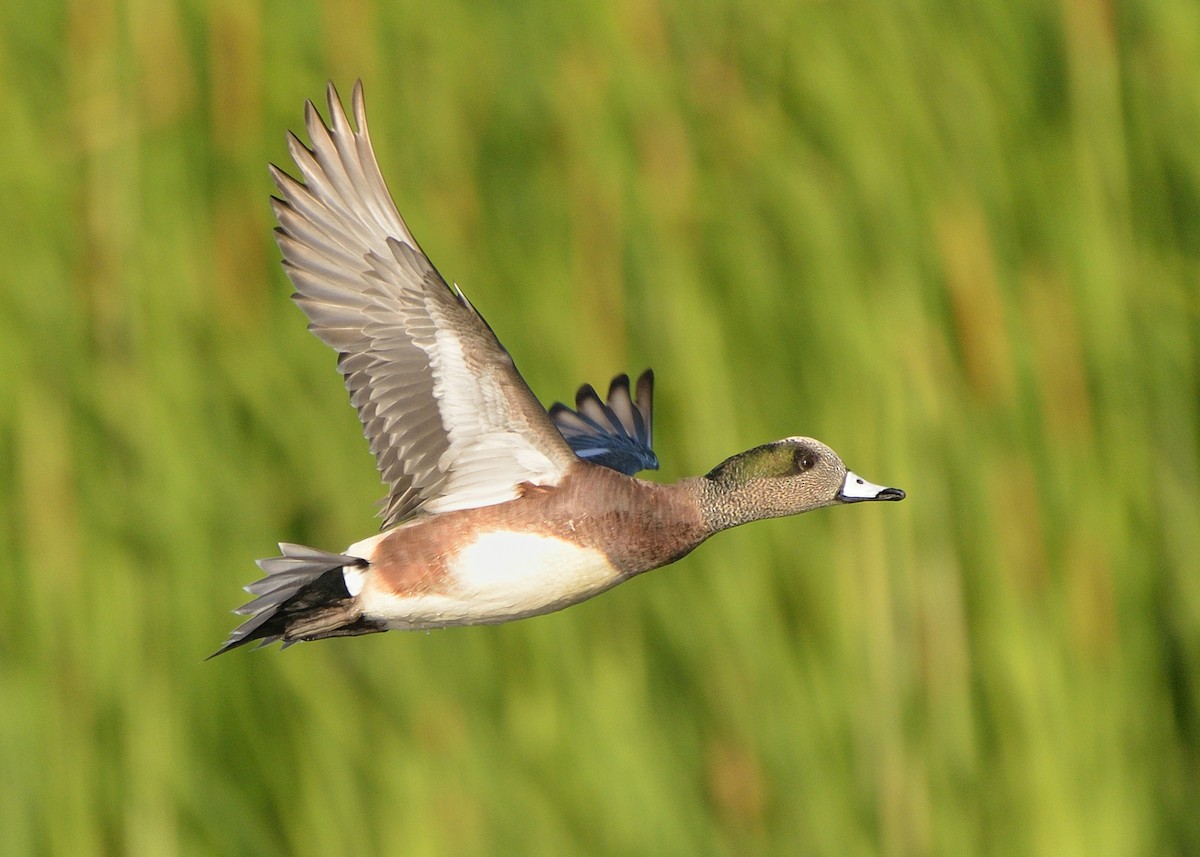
{"points": [[805, 460]]}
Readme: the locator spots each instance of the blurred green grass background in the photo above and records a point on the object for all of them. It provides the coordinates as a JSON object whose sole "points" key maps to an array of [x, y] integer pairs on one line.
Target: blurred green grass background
{"points": [[958, 241]]}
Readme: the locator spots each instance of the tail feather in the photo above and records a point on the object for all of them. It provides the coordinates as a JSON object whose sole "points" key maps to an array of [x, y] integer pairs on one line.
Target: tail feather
{"points": [[303, 594]]}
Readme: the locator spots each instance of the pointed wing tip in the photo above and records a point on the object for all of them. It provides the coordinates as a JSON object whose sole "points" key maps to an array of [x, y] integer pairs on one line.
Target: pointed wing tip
{"points": [[337, 112], [311, 113], [585, 393]]}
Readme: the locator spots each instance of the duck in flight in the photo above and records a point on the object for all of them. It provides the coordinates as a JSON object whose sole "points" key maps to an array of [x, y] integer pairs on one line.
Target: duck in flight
{"points": [[496, 509]]}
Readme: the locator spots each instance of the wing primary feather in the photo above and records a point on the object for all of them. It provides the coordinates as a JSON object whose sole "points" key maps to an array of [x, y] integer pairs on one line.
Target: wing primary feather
{"points": [[616, 433], [450, 421]]}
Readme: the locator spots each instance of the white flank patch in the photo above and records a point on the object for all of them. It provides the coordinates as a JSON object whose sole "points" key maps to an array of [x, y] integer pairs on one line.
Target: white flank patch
{"points": [[529, 571], [498, 577]]}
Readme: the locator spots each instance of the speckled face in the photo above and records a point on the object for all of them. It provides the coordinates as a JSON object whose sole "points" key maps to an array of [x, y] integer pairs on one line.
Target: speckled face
{"points": [[814, 461], [782, 478], [814, 473], [787, 477]]}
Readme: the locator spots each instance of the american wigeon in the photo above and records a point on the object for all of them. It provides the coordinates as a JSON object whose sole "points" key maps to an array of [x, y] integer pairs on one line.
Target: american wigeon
{"points": [[496, 509]]}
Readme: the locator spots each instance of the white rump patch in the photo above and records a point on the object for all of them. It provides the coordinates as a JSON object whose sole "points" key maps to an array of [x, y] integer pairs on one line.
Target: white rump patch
{"points": [[356, 576]]}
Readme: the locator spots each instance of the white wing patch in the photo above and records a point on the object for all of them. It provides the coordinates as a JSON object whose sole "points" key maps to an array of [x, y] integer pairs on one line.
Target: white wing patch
{"points": [[480, 456]]}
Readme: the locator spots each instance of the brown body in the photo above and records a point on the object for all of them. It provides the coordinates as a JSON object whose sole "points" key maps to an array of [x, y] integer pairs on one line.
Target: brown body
{"points": [[637, 525]]}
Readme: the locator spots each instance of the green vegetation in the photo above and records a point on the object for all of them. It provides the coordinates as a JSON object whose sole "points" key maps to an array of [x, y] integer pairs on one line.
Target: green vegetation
{"points": [[958, 241]]}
